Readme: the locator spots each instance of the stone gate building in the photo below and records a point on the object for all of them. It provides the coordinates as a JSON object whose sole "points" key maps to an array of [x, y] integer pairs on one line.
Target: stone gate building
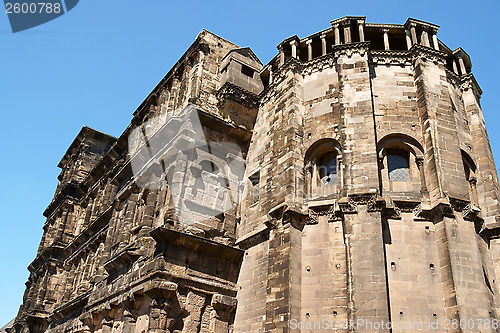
{"points": [[373, 197]]}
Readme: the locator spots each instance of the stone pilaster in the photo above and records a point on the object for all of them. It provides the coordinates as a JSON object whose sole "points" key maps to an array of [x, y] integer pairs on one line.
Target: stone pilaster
{"points": [[443, 159], [489, 198]]}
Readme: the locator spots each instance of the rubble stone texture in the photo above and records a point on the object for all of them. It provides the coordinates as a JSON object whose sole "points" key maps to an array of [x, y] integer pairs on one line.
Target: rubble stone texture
{"points": [[374, 196]]}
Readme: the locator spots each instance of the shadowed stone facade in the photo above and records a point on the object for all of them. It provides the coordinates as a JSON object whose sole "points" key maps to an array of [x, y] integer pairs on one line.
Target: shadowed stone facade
{"points": [[373, 195]]}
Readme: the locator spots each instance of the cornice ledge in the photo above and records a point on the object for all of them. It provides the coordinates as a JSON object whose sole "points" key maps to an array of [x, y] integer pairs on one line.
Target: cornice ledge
{"points": [[395, 57], [192, 242], [279, 75], [490, 227], [70, 191], [235, 93], [329, 208], [434, 213], [468, 81], [425, 52], [319, 64], [384, 25], [347, 19], [255, 237], [55, 251], [348, 50], [453, 76], [71, 305], [428, 25]]}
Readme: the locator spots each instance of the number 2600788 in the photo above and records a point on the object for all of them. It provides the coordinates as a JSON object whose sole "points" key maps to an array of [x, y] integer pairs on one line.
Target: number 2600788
{"points": [[32, 8]]}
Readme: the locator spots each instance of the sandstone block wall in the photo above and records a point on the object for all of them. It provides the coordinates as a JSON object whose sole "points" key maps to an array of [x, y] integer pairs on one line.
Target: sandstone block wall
{"points": [[372, 197]]}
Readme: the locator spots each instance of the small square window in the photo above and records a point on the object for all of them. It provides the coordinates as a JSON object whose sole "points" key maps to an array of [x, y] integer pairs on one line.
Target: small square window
{"points": [[248, 71]]}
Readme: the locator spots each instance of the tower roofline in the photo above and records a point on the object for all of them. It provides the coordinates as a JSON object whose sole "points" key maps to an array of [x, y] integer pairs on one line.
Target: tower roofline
{"points": [[347, 18], [85, 132], [411, 20]]}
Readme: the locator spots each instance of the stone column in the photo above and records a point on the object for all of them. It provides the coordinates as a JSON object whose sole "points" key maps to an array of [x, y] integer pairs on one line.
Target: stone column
{"points": [[337, 34], [295, 53], [131, 304], [473, 189], [128, 221], [386, 39], [158, 318], [424, 38], [281, 56], [309, 49], [361, 30], [435, 41], [455, 68], [323, 43], [347, 33], [341, 171], [223, 307], [314, 178], [462, 66], [420, 165], [173, 92], [149, 211], [413, 33], [163, 295], [408, 39], [270, 75], [199, 73], [61, 224]]}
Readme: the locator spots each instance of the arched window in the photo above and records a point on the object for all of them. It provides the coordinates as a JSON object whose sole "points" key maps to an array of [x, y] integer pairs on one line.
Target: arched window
{"points": [[401, 164], [398, 164], [327, 168], [323, 167]]}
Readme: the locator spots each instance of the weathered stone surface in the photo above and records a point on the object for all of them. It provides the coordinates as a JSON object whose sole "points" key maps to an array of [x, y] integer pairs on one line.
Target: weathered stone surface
{"points": [[372, 197]]}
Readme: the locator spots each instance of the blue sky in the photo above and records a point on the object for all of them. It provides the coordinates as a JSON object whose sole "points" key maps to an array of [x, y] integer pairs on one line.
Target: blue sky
{"points": [[95, 65]]}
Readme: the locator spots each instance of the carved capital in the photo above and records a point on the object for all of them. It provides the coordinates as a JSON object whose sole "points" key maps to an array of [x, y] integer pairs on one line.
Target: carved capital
{"points": [[331, 211], [350, 49], [347, 205], [160, 289], [435, 213], [375, 204], [471, 213]]}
